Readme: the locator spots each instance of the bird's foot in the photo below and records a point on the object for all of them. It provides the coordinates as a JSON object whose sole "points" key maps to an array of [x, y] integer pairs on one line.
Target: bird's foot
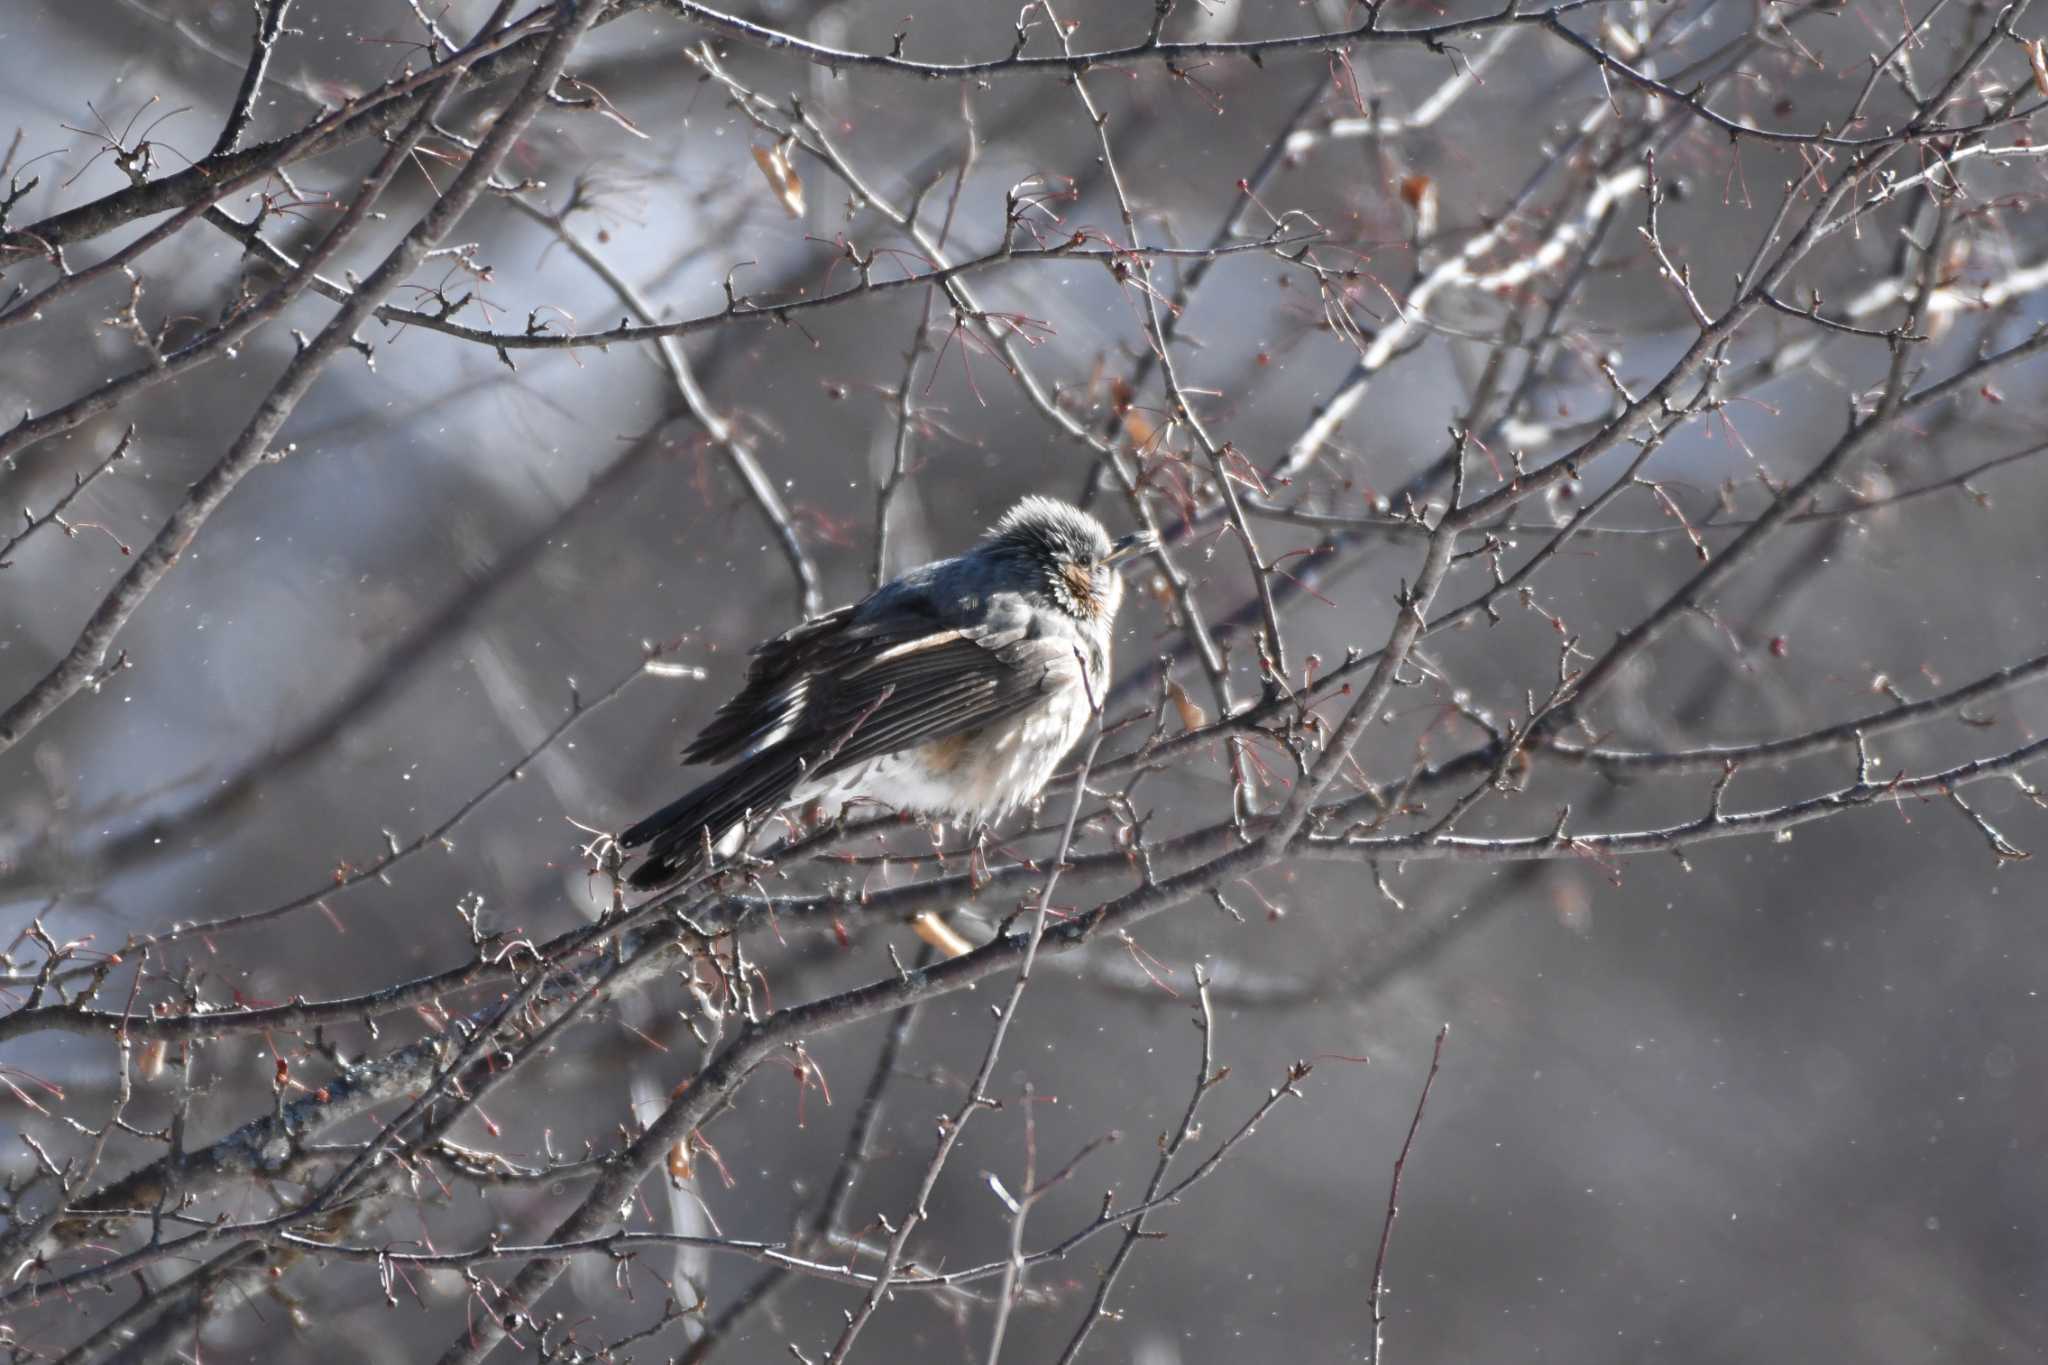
{"points": [[978, 874]]}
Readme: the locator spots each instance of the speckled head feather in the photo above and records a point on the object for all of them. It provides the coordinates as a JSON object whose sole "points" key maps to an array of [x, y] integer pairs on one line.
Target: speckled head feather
{"points": [[1052, 530]]}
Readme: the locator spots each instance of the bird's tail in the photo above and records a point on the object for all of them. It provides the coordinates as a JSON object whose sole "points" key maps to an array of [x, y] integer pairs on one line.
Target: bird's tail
{"points": [[755, 787]]}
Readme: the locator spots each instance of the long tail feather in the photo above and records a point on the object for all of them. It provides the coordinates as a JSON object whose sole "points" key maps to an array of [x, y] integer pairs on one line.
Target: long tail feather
{"points": [[676, 832]]}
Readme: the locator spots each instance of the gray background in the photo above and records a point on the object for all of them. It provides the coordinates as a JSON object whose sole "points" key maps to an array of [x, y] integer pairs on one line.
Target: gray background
{"points": [[1785, 1105]]}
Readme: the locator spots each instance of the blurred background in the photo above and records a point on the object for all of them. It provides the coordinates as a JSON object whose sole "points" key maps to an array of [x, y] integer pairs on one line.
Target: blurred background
{"points": [[1781, 1099]]}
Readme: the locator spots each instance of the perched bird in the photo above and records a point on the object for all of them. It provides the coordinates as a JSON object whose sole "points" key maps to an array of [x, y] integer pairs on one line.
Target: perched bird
{"points": [[952, 691]]}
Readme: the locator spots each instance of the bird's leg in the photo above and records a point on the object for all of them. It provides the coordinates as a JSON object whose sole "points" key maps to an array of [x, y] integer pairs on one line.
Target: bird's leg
{"points": [[978, 874]]}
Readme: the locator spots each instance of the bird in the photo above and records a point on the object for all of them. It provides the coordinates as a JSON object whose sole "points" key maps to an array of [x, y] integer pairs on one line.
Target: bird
{"points": [[950, 692]]}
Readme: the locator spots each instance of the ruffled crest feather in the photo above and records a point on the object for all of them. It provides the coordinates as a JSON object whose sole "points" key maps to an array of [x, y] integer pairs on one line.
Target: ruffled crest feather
{"points": [[1056, 530]]}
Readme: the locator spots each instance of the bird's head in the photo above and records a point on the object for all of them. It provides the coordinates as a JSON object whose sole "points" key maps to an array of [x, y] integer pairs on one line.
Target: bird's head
{"points": [[1073, 557]]}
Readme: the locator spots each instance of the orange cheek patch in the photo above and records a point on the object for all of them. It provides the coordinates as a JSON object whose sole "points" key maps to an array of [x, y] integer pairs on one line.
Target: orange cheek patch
{"points": [[1081, 583]]}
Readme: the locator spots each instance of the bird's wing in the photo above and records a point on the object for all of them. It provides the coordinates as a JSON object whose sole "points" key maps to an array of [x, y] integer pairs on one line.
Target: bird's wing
{"points": [[935, 686], [776, 690], [848, 685]]}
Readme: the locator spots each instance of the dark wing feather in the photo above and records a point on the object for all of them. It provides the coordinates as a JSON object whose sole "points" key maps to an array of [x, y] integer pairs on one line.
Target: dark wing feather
{"points": [[763, 701], [934, 688]]}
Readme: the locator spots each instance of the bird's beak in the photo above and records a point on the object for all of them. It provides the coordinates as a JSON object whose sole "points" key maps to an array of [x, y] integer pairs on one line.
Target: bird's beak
{"points": [[1136, 543]]}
